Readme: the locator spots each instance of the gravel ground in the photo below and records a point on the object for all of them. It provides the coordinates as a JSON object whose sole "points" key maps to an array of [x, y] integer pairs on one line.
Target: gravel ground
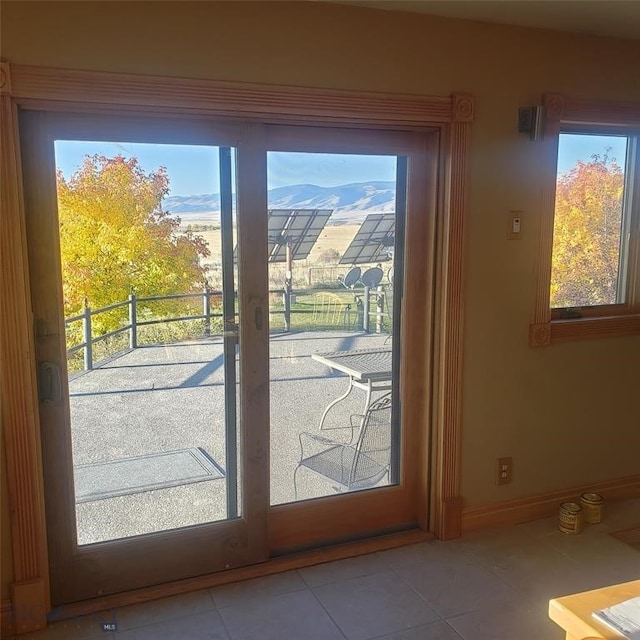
{"points": [[169, 397]]}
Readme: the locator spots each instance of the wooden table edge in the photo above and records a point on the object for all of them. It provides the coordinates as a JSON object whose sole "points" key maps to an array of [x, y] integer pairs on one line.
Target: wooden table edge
{"points": [[579, 626]]}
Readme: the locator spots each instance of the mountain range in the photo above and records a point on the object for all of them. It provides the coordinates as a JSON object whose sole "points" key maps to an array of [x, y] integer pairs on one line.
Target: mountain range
{"points": [[349, 201]]}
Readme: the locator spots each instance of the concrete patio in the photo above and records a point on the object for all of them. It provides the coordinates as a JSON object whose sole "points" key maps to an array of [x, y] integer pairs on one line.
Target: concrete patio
{"points": [[170, 397]]}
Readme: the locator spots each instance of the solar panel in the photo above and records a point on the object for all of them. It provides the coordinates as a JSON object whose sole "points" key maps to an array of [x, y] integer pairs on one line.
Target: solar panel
{"points": [[375, 237], [299, 228]]}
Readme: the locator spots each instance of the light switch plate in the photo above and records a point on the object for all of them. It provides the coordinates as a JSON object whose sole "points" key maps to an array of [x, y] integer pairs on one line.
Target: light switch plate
{"points": [[514, 224]]}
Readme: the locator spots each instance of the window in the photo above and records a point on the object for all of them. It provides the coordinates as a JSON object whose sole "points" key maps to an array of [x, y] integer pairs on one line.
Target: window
{"points": [[594, 210], [588, 272]]}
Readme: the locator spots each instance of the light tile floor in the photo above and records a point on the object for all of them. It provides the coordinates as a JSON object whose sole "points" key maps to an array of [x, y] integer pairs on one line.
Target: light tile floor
{"points": [[493, 584]]}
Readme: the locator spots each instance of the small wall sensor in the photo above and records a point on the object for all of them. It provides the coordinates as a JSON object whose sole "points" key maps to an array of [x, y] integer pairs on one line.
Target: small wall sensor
{"points": [[531, 121]]}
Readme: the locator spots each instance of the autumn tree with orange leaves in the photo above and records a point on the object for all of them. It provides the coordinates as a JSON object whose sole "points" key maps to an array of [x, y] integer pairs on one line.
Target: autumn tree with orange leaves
{"points": [[115, 237], [586, 234]]}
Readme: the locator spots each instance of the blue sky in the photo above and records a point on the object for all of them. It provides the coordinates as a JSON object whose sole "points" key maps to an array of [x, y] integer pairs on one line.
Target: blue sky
{"points": [[576, 147], [193, 170]]}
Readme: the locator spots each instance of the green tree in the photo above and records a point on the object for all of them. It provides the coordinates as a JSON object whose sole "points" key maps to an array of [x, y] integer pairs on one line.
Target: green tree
{"points": [[114, 237], [586, 234]]}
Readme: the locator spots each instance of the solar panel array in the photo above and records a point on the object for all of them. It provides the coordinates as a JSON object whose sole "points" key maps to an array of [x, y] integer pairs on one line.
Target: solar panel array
{"points": [[300, 228], [375, 237]]}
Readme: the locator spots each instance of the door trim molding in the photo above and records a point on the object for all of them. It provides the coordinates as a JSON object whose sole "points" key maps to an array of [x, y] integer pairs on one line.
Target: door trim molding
{"points": [[21, 434], [243, 100], [61, 89], [448, 401]]}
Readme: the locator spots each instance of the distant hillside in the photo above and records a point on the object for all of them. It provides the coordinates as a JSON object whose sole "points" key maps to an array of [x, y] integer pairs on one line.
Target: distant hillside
{"points": [[347, 201], [192, 204]]}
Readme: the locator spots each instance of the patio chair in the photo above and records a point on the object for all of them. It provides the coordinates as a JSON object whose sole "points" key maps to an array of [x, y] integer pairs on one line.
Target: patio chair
{"points": [[353, 466]]}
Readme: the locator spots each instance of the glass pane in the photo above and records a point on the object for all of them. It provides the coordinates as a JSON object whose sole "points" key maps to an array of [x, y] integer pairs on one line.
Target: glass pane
{"points": [[332, 236], [152, 380], [588, 240]]}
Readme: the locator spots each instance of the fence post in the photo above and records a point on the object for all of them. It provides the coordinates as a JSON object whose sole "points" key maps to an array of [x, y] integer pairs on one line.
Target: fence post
{"points": [[365, 311], [206, 304], [133, 321], [288, 276], [359, 313], [380, 310], [86, 330], [286, 297]]}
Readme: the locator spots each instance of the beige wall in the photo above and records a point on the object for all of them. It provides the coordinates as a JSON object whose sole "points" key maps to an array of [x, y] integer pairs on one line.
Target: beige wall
{"points": [[567, 414]]}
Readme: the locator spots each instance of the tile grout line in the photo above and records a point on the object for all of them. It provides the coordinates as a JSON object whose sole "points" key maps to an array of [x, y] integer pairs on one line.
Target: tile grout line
{"points": [[333, 581], [337, 626], [304, 589], [391, 570], [518, 594], [180, 616], [219, 612], [224, 625], [423, 598]]}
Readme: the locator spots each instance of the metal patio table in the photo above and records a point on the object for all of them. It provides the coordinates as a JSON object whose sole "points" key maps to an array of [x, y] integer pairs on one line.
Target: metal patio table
{"points": [[368, 369]]}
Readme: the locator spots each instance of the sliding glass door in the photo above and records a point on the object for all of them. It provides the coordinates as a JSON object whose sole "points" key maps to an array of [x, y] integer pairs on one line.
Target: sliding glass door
{"points": [[134, 245], [337, 206], [212, 301]]}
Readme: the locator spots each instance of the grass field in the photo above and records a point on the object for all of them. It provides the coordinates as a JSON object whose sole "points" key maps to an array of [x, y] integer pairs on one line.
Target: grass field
{"points": [[323, 308]]}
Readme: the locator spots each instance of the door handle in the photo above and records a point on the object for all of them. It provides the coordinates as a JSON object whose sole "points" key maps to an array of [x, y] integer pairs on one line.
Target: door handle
{"points": [[49, 384]]}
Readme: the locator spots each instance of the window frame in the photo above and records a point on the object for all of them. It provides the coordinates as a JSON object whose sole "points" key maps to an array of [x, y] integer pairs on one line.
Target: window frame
{"points": [[550, 326]]}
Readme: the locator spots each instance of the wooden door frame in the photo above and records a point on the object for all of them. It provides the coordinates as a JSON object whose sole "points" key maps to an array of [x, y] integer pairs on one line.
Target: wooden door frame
{"points": [[52, 89]]}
